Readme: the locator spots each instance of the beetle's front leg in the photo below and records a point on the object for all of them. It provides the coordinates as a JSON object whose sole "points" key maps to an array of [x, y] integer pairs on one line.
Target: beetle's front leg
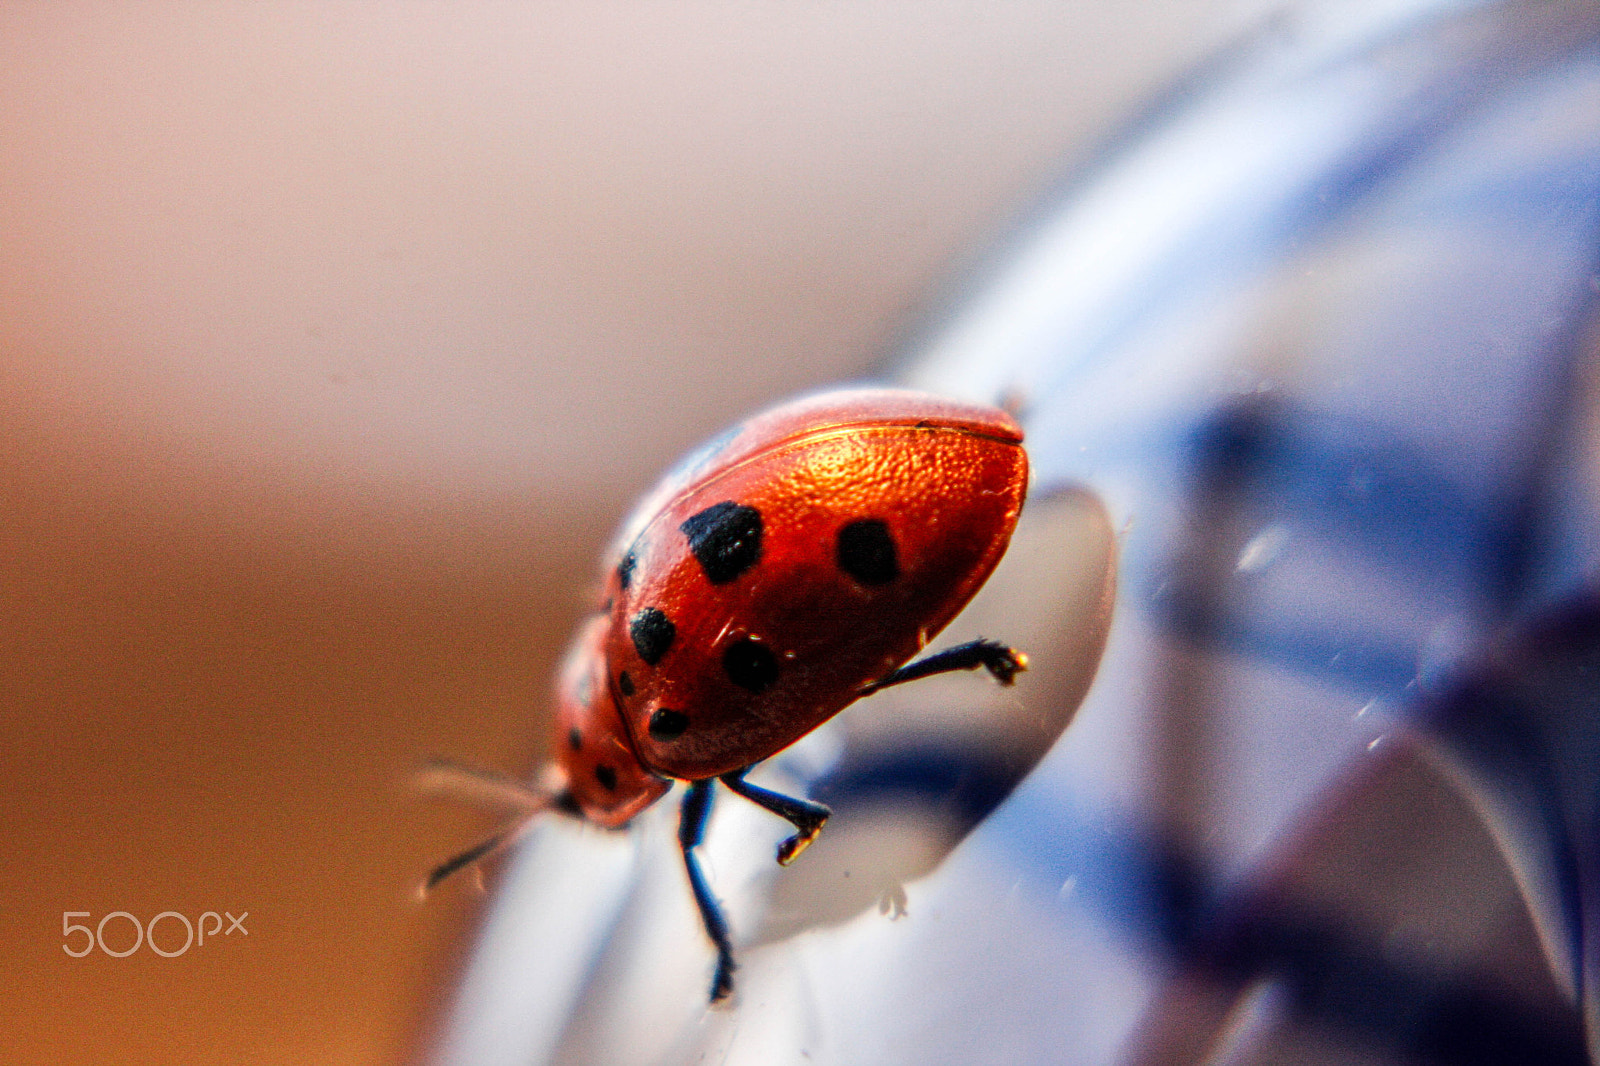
{"points": [[692, 817]]}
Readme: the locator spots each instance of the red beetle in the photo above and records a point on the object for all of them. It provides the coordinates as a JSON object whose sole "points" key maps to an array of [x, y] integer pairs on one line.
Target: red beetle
{"points": [[778, 574]]}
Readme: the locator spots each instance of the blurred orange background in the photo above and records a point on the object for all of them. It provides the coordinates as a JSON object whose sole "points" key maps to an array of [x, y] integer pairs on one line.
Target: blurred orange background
{"points": [[333, 338]]}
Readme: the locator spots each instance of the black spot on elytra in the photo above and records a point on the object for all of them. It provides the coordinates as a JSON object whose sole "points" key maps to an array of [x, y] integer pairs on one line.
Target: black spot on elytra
{"points": [[668, 725], [625, 569], [866, 552], [574, 738], [726, 539], [625, 683], [652, 632], [607, 777], [750, 665]]}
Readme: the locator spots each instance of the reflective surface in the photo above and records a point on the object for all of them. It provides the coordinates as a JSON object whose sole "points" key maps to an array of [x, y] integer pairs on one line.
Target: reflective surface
{"points": [[1317, 338]]}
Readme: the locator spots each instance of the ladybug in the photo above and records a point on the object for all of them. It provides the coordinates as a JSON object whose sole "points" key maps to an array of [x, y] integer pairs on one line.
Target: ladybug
{"points": [[779, 573]]}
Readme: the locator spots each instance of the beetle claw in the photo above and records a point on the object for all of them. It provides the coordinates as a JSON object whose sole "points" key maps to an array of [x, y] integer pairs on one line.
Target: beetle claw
{"points": [[1004, 664], [791, 849], [722, 983]]}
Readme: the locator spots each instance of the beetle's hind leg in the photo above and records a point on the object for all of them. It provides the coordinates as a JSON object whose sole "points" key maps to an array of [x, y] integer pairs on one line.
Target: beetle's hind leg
{"points": [[1002, 662], [807, 817], [692, 817]]}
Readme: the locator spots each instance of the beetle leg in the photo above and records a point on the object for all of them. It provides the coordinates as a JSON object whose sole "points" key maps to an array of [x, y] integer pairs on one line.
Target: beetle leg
{"points": [[692, 817], [1003, 662], [807, 817]]}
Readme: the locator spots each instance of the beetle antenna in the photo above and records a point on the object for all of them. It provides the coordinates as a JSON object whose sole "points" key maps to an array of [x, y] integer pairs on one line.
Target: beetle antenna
{"points": [[488, 790], [479, 787], [474, 855]]}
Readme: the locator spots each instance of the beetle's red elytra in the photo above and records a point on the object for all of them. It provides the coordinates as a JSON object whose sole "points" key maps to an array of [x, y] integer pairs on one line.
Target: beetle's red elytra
{"points": [[790, 566]]}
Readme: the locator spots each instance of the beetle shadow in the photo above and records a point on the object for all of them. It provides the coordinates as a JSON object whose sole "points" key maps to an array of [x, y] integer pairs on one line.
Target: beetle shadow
{"points": [[919, 767]]}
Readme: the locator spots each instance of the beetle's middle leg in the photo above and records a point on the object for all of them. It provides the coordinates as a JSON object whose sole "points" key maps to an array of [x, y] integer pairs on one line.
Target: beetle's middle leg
{"points": [[807, 817]]}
